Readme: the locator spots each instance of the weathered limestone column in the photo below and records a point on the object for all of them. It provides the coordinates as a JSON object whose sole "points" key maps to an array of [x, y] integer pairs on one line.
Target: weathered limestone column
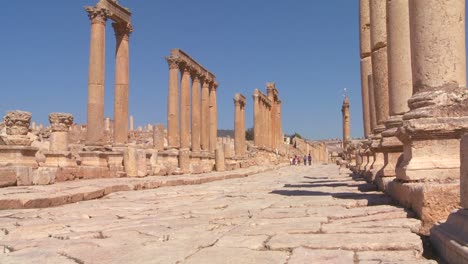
{"points": [[158, 137], [257, 117], [122, 33], [346, 123], [196, 110], [378, 18], [219, 159], [173, 103], [237, 125], [60, 125], [205, 116], [132, 126], [378, 30], [280, 125], [432, 128], [185, 107], [400, 81], [243, 141], [372, 110], [213, 118], [96, 74], [366, 62]]}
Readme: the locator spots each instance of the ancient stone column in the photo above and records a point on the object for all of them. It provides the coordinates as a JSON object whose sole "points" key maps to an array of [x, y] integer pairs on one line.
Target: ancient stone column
{"points": [[219, 159], [346, 123], [196, 110], [243, 144], [107, 124], [132, 126], [257, 117], [122, 33], [213, 118], [96, 73], [60, 125], [173, 104], [205, 116], [399, 80], [372, 110], [239, 132], [366, 62], [438, 108], [280, 126], [185, 107], [378, 19], [158, 137]]}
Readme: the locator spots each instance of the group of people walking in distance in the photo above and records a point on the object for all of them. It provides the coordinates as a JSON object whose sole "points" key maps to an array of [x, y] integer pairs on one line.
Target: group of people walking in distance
{"points": [[296, 160]]}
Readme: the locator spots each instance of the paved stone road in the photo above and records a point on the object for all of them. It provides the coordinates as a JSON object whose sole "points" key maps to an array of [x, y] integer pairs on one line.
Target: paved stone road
{"points": [[292, 215]]}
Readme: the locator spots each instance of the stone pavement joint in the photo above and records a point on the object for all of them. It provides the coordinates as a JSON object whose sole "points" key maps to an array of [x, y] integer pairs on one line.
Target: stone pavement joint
{"points": [[293, 214]]}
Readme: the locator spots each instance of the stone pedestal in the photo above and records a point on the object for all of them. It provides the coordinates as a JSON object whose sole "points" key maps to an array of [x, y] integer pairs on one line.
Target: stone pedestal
{"points": [[130, 160], [18, 156], [142, 167], [158, 137], [60, 125], [59, 159], [184, 160], [219, 160], [93, 164]]}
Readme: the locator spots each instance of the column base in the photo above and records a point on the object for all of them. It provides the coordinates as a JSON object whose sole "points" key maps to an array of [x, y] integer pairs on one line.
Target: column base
{"points": [[184, 160], [450, 239]]}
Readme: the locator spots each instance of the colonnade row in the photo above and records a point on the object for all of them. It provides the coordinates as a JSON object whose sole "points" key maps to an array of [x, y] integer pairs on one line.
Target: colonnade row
{"points": [[415, 106], [98, 15], [193, 123], [412, 86], [267, 118], [239, 124]]}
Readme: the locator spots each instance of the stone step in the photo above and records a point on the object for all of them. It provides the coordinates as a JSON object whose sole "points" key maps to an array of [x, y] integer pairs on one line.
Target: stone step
{"points": [[41, 196]]}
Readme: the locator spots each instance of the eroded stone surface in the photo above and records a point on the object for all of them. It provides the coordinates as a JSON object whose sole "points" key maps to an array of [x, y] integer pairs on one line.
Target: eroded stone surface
{"points": [[289, 215]]}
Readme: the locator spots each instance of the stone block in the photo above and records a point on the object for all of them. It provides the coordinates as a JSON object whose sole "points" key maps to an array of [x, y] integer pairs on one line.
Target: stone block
{"points": [[450, 239], [219, 160], [7, 177], [44, 176], [67, 174], [432, 202], [89, 172], [130, 160], [184, 160], [142, 169]]}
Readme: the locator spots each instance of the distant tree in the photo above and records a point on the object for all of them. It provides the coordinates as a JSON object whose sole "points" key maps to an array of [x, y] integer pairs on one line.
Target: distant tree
{"points": [[296, 135], [249, 134]]}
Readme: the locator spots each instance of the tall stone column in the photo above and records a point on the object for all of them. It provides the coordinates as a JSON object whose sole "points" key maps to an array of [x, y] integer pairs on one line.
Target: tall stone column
{"points": [[96, 74], [213, 118], [185, 107], [280, 125], [196, 111], [400, 80], [257, 116], [122, 33], [173, 103], [243, 144], [205, 116], [237, 125], [366, 62], [132, 126], [432, 128], [378, 18], [346, 123], [60, 125]]}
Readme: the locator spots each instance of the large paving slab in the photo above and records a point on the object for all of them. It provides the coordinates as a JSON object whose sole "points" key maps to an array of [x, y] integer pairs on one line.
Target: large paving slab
{"points": [[293, 214]]}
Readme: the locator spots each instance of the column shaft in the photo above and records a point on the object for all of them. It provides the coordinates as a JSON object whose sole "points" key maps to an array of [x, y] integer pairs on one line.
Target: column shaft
{"points": [[173, 104], [237, 128], [122, 32], [256, 118], [213, 119], [196, 111], [185, 108], [400, 79], [96, 74], [379, 60], [205, 116]]}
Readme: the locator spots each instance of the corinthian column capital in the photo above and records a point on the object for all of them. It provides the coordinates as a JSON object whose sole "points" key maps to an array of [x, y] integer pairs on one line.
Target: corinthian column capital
{"points": [[122, 30], [98, 15]]}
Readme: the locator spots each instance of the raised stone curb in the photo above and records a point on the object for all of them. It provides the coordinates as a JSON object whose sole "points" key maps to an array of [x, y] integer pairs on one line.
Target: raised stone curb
{"points": [[83, 190]]}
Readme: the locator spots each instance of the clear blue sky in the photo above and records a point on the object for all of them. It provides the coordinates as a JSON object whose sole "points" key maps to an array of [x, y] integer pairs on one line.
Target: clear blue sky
{"points": [[309, 48]]}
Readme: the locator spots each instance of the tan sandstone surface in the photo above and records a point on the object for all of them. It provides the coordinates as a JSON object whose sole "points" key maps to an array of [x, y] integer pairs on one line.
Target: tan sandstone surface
{"points": [[293, 214]]}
